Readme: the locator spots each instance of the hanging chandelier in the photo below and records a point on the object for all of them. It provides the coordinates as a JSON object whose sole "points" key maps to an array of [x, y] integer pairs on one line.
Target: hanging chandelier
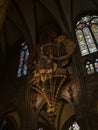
{"points": [[50, 72]]}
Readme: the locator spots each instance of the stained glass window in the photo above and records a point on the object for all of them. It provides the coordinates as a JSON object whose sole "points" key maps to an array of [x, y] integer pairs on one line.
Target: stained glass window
{"points": [[89, 67], [94, 29], [24, 53], [87, 34], [96, 64], [92, 67], [74, 126], [89, 40], [82, 45]]}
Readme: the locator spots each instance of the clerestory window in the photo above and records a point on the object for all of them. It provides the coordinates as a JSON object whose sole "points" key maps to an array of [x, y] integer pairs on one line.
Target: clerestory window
{"points": [[87, 34]]}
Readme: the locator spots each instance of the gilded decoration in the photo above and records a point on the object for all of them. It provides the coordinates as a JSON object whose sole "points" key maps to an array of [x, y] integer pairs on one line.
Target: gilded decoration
{"points": [[49, 74]]}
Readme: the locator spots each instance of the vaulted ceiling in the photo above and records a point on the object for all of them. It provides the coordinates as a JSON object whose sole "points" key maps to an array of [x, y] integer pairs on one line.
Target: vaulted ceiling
{"points": [[25, 19]]}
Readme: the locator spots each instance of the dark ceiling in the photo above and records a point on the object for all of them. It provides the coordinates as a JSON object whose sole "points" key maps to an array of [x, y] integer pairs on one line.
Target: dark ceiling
{"points": [[27, 18]]}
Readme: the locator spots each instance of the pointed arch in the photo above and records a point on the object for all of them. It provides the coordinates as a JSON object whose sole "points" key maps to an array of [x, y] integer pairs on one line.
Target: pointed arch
{"points": [[96, 64], [87, 34]]}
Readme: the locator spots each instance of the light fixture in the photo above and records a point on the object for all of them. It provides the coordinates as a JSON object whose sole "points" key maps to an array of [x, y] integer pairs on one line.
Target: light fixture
{"points": [[50, 72]]}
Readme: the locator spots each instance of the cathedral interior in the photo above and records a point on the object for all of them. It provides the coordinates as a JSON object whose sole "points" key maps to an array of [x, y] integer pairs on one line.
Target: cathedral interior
{"points": [[49, 65]]}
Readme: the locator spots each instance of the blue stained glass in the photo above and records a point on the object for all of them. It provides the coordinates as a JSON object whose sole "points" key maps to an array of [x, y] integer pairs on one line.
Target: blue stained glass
{"points": [[24, 53], [25, 72]]}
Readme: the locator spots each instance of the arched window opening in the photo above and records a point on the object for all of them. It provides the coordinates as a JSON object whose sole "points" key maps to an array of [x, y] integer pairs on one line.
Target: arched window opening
{"points": [[87, 34], [82, 43], [74, 126], [96, 64], [24, 53], [89, 67], [92, 67], [94, 29], [89, 40]]}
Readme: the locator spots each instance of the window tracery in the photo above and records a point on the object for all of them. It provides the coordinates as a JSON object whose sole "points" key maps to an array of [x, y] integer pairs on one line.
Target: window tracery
{"points": [[87, 34], [87, 37], [89, 67]]}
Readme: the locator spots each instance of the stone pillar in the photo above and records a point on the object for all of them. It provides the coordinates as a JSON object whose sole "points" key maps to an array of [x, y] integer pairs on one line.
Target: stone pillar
{"points": [[28, 124], [86, 117]]}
